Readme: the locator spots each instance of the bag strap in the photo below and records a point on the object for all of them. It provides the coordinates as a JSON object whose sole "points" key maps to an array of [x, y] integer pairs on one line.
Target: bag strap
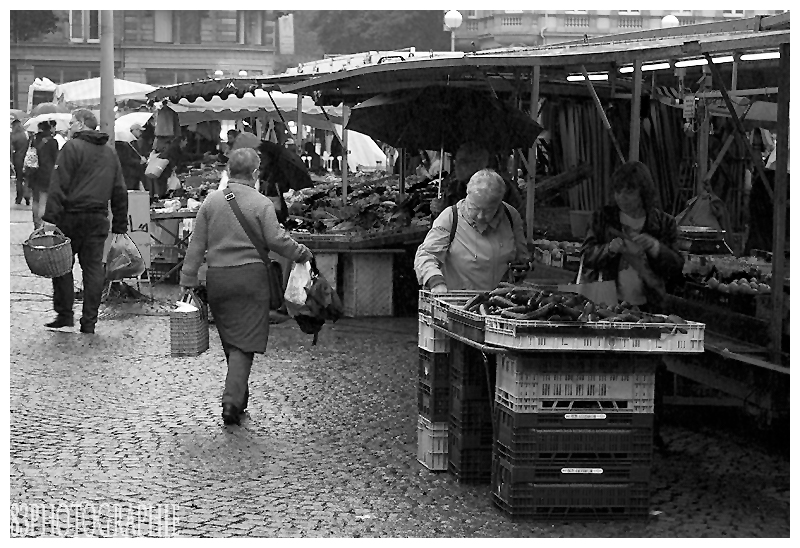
{"points": [[454, 224], [230, 197]]}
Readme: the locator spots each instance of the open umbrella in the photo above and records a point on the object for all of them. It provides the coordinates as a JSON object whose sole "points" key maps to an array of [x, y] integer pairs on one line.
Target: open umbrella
{"points": [[127, 120], [48, 108], [60, 118], [286, 166], [17, 114], [443, 116]]}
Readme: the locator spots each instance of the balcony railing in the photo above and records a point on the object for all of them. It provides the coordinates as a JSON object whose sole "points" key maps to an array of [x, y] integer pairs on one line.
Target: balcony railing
{"points": [[627, 22], [576, 21], [513, 21]]}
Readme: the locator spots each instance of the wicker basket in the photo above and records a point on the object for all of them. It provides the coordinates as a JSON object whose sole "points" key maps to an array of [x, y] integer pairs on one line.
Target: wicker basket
{"points": [[48, 255], [188, 331]]}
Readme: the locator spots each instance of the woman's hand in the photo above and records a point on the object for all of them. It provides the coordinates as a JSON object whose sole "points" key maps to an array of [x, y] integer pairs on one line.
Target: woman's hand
{"points": [[440, 288], [305, 256], [616, 245], [649, 244]]}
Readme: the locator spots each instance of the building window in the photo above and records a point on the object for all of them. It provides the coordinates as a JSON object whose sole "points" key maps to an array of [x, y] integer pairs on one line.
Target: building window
{"points": [[629, 12], [163, 26], [511, 21], [249, 27], [733, 13], [187, 26], [576, 12], [471, 14], [84, 25], [472, 26]]}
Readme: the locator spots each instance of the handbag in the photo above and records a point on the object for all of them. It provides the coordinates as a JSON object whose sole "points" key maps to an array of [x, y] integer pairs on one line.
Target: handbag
{"points": [[599, 292], [31, 159], [274, 272], [155, 165]]}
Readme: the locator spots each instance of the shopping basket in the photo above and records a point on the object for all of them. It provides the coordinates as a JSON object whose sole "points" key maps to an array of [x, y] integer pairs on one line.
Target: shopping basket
{"points": [[48, 255], [188, 331]]}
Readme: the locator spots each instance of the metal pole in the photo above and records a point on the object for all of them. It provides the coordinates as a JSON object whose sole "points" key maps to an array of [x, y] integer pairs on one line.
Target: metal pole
{"points": [[299, 142], [343, 166], [107, 74], [531, 193], [452, 40], [636, 105], [780, 201]]}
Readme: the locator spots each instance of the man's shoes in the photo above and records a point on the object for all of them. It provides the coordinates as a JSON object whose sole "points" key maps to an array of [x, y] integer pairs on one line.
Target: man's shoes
{"points": [[18, 201], [27, 201], [60, 322], [78, 294], [230, 415], [88, 329]]}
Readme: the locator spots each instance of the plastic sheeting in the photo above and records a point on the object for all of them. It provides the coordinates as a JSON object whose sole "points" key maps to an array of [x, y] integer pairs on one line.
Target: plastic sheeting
{"points": [[362, 150], [87, 92]]}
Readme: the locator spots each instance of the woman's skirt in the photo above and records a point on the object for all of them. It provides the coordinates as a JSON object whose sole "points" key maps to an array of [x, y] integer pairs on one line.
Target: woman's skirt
{"points": [[239, 300]]}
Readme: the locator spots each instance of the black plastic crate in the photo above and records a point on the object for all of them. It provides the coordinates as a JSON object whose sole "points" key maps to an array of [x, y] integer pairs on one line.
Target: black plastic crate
{"points": [[434, 368], [472, 466], [469, 390], [470, 439], [579, 502], [533, 471], [160, 268], [433, 403], [467, 362], [470, 414], [565, 443], [570, 419]]}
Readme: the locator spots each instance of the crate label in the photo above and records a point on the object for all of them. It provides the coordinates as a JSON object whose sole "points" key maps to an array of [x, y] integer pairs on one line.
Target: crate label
{"points": [[580, 416], [581, 470]]}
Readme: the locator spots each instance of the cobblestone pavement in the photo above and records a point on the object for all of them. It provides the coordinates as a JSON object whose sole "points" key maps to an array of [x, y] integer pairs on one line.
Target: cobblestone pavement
{"points": [[328, 448]]}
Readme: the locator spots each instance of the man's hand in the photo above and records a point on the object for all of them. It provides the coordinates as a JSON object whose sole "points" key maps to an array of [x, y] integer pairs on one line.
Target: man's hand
{"points": [[648, 243], [440, 288]]}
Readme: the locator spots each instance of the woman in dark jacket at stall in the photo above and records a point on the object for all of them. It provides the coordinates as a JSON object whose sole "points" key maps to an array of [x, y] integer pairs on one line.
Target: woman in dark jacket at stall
{"points": [[39, 180], [131, 162]]}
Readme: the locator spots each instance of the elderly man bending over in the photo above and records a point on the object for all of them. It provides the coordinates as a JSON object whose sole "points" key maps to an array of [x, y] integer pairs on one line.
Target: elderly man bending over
{"points": [[488, 238]]}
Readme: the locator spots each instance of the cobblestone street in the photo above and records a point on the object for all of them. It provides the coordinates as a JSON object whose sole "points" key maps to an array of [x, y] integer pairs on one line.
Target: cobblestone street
{"points": [[327, 448]]}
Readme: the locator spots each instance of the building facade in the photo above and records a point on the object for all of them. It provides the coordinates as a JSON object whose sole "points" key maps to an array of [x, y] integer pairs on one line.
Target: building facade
{"points": [[487, 29], [156, 47]]}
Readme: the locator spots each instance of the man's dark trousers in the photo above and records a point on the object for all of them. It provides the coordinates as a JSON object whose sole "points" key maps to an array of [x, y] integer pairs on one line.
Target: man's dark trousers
{"points": [[88, 232]]}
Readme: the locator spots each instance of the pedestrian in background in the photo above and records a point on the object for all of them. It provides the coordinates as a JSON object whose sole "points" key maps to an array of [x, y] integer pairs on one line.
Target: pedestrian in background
{"points": [[85, 178], [39, 180], [19, 146], [238, 294]]}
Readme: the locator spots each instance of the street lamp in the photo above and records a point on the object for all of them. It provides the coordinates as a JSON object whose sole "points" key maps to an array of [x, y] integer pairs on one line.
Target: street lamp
{"points": [[242, 73], [218, 73], [452, 20], [669, 21]]}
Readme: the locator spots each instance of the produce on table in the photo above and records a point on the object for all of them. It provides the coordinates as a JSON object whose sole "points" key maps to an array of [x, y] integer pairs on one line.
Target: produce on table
{"points": [[526, 302]]}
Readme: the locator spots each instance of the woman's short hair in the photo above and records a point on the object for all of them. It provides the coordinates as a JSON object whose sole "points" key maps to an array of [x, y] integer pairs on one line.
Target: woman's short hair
{"points": [[44, 126], [242, 163], [86, 117], [636, 176], [487, 183]]}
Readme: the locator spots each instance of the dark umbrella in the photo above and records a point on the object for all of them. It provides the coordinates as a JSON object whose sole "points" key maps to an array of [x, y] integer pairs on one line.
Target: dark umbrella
{"points": [[287, 168], [447, 116], [48, 108]]}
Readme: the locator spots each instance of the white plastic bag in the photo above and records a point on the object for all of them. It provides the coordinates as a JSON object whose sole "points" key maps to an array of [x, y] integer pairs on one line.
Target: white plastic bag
{"points": [[124, 259], [173, 183], [155, 165], [299, 280]]}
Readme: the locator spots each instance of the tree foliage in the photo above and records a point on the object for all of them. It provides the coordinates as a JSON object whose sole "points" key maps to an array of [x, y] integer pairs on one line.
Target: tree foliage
{"points": [[351, 31], [28, 24]]}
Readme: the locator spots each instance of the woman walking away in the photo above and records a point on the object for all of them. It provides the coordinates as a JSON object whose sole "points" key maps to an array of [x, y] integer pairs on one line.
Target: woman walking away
{"points": [[236, 281], [47, 149]]}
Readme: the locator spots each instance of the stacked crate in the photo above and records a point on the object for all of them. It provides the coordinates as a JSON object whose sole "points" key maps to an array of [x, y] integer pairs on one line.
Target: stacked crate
{"points": [[433, 391], [471, 431], [574, 435]]}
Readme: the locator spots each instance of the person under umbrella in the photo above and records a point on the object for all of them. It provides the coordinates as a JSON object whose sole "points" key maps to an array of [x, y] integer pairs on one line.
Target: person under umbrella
{"points": [[19, 147]]}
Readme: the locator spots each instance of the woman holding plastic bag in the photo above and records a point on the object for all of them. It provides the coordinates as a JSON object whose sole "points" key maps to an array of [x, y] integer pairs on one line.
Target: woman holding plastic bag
{"points": [[229, 227]]}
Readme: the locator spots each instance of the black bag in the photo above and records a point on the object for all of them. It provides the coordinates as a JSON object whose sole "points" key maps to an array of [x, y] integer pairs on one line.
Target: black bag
{"points": [[275, 279]]}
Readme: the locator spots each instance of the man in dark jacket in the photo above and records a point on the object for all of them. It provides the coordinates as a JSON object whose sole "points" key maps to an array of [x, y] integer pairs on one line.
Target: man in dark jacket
{"points": [[19, 146], [39, 180], [86, 176]]}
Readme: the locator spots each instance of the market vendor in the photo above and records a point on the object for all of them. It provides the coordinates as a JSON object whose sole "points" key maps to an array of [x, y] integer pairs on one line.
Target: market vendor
{"points": [[179, 159], [633, 242], [487, 239], [470, 158]]}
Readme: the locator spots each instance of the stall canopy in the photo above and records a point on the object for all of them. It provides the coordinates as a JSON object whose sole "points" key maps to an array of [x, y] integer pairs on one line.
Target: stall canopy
{"points": [[259, 105], [87, 92]]}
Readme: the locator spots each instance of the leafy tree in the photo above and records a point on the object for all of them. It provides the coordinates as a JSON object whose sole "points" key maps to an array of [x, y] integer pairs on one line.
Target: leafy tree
{"points": [[351, 31], [27, 24]]}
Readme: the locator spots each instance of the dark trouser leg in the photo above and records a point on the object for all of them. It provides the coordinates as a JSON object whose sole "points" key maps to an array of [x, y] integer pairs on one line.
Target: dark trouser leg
{"points": [[20, 179], [91, 259], [63, 295], [239, 365]]}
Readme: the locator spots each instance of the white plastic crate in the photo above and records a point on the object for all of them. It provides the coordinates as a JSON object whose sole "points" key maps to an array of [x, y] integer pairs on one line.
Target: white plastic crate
{"points": [[425, 304], [432, 444], [430, 339], [581, 406], [544, 336], [525, 383]]}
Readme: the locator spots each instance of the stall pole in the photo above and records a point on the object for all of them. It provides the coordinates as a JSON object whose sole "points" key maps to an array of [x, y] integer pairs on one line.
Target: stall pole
{"points": [[636, 105], [531, 194], [702, 136], [602, 113], [299, 140], [107, 74], [343, 166], [402, 171], [779, 220]]}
